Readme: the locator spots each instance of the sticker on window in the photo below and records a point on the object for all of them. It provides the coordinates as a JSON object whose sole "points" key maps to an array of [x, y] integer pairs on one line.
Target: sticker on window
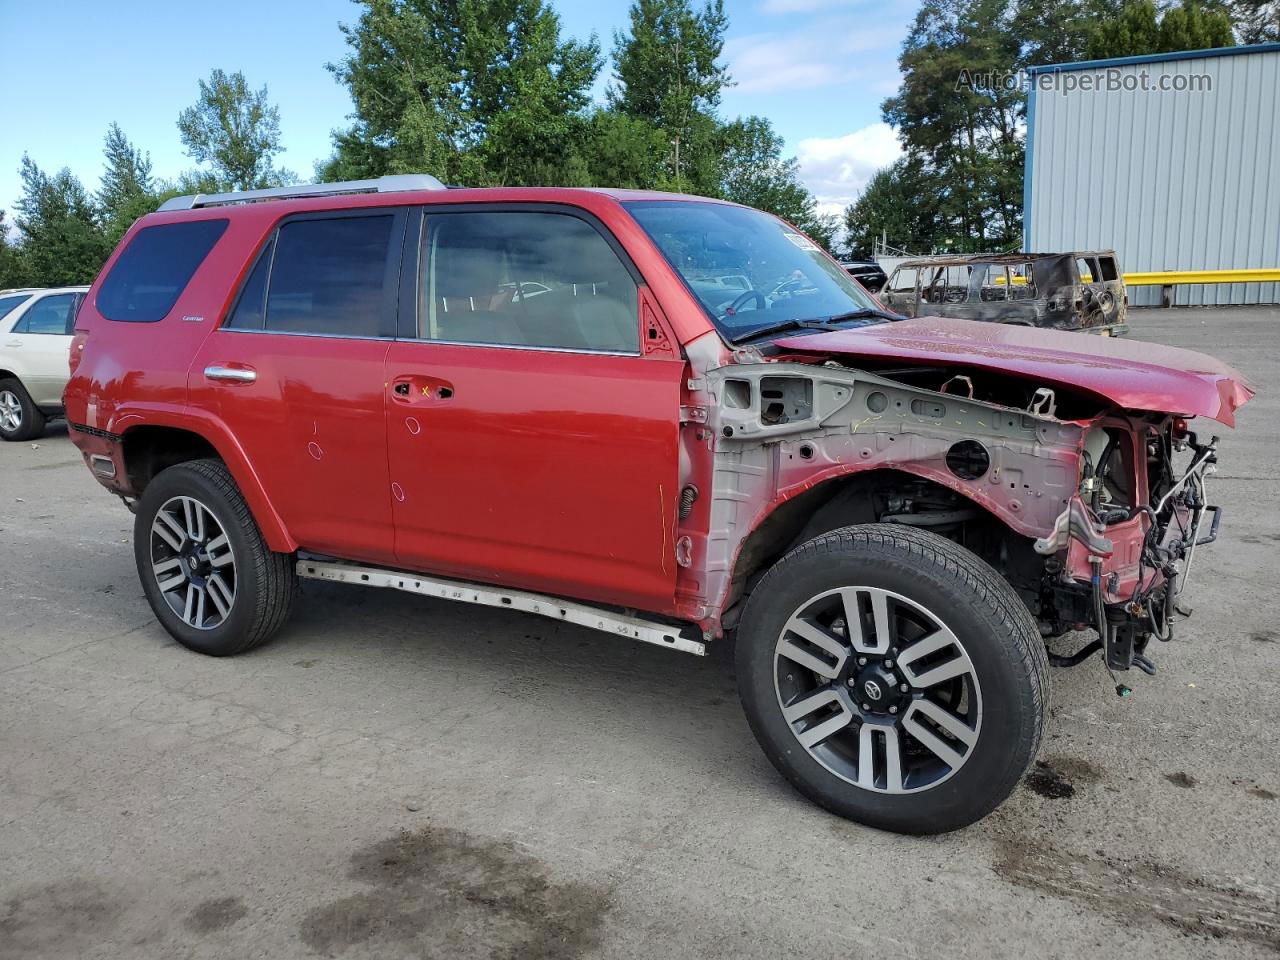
{"points": [[801, 241]]}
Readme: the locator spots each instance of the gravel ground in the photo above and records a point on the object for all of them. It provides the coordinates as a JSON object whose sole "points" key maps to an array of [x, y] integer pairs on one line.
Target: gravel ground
{"points": [[395, 776]]}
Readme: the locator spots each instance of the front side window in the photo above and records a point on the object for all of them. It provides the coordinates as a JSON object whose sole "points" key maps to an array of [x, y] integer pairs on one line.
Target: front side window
{"points": [[750, 271], [525, 279], [11, 303], [54, 316], [154, 269]]}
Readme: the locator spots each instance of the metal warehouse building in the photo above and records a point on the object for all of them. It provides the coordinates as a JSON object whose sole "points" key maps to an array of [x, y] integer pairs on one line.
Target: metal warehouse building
{"points": [[1172, 159]]}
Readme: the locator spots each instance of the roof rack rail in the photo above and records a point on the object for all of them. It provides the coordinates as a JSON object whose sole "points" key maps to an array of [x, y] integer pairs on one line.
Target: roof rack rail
{"points": [[390, 184]]}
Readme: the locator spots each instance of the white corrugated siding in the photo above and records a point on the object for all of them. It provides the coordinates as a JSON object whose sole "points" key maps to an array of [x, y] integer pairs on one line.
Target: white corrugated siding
{"points": [[1173, 181]]}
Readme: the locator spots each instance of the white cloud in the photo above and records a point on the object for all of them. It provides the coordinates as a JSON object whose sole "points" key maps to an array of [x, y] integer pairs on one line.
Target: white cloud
{"points": [[837, 169]]}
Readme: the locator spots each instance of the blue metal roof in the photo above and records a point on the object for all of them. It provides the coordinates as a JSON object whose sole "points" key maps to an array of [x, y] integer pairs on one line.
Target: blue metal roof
{"points": [[1157, 58]]}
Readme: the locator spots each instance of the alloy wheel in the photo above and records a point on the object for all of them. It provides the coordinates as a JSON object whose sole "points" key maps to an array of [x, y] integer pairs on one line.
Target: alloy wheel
{"points": [[10, 411], [877, 689], [193, 563]]}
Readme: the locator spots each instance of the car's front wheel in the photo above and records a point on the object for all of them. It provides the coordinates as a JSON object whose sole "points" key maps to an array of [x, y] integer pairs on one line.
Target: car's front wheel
{"points": [[205, 568], [893, 677], [20, 418]]}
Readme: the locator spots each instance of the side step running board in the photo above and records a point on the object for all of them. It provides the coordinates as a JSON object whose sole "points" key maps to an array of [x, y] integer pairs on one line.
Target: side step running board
{"points": [[620, 624]]}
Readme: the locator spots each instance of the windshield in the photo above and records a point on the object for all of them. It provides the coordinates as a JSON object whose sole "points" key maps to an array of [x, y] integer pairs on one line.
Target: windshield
{"points": [[749, 270]]}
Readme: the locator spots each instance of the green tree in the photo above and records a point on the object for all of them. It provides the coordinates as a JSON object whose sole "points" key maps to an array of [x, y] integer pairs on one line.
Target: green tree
{"points": [[13, 268], [965, 132], [624, 151], [668, 72], [473, 91], [236, 131], [128, 190], [61, 235], [1140, 28], [899, 206]]}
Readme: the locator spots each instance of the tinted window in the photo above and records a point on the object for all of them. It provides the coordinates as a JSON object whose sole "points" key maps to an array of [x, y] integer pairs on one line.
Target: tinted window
{"points": [[251, 307], [155, 268], [49, 315], [9, 304], [332, 277], [526, 279]]}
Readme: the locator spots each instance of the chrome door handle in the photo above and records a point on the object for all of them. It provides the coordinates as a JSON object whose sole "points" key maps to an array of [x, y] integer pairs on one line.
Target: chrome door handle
{"points": [[233, 374]]}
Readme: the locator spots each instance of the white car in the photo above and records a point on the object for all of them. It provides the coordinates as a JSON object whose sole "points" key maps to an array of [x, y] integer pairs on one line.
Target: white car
{"points": [[36, 327]]}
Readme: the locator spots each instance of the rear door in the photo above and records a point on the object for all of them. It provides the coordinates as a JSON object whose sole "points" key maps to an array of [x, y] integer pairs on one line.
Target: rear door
{"points": [[40, 342], [531, 442], [296, 372]]}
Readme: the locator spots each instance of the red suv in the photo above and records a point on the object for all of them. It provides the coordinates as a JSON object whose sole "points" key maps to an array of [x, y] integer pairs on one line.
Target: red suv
{"points": [[667, 418]]}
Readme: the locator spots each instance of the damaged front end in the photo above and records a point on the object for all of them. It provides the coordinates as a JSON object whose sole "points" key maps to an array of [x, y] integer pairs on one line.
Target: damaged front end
{"points": [[1092, 512], [1120, 554]]}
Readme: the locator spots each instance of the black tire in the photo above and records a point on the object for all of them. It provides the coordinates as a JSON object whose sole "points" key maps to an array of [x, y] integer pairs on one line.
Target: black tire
{"points": [[265, 583], [993, 628], [31, 421]]}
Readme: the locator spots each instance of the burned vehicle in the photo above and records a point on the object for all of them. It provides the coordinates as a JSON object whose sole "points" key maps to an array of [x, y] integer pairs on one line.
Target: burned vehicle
{"points": [[668, 419], [1064, 291]]}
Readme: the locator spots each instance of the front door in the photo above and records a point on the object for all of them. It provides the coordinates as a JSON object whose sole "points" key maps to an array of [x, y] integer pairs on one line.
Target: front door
{"points": [[530, 444], [296, 374]]}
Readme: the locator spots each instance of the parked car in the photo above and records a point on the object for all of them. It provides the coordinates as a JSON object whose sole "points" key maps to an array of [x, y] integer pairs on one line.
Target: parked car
{"points": [[701, 428], [35, 341], [1082, 290], [867, 272]]}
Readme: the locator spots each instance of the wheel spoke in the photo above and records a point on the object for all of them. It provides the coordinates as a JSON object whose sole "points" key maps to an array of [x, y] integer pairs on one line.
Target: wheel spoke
{"points": [[934, 743], [817, 637], [882, 636], [219, 550], [169, 574], [827, 697], [947, 720], [168, 529], [220, 594], [194, 514], [189, 608], [867, 738], [935, 642]]}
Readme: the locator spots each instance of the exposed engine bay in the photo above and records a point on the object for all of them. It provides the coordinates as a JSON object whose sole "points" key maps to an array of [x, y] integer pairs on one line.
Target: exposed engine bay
{"points": [[1092, 514]]}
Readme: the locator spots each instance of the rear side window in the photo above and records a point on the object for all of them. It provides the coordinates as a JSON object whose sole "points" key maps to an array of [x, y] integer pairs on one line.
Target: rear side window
{"points": [[332, 277], [53, 316], [155, 268], [9, 304]]}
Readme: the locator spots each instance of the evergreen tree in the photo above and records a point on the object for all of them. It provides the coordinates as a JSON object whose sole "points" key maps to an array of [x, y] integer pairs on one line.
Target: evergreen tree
{"points": [[667, 72], [128, 191], [61, 235]]}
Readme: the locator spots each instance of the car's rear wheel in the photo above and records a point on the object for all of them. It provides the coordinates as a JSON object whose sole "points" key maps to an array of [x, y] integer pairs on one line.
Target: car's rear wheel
{"points": [[20, 419], [893, 677], [207, 572]]}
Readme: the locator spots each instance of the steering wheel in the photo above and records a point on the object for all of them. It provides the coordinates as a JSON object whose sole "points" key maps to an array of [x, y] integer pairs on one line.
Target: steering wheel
{"points": [[743, 298]]}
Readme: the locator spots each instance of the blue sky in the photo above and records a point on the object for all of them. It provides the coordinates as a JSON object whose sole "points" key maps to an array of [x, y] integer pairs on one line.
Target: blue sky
{"points": [[817, 68]]}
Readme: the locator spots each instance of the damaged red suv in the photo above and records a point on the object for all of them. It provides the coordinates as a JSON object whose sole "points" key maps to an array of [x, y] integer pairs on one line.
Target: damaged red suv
{"points": [[667, 418]]}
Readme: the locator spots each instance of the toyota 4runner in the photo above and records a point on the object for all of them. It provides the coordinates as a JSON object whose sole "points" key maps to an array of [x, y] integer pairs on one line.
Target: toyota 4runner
{"points": [[667, 418]]}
